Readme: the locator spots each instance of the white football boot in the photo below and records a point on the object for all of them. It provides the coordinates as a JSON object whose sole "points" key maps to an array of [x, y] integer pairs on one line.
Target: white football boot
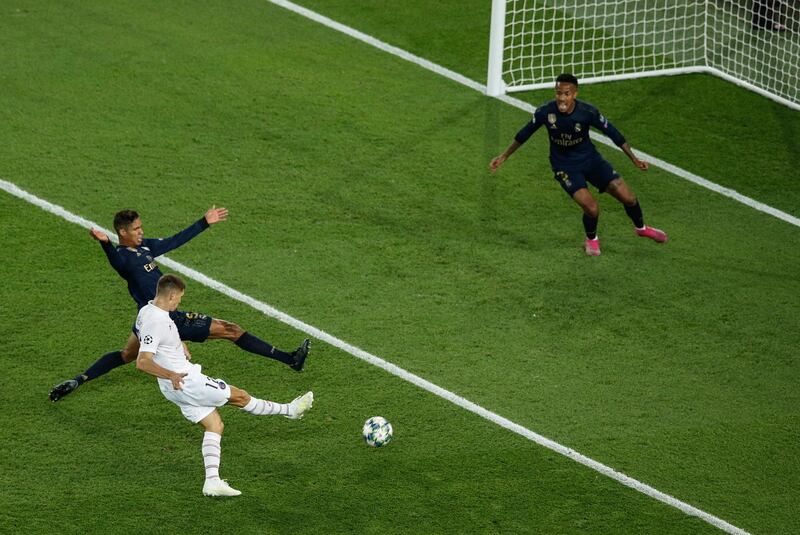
{"points": [[300, 405], [218, 487]]}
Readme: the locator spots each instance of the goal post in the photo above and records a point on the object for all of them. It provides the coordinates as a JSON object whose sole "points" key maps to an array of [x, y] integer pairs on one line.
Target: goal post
{"points": [[753, 43]]}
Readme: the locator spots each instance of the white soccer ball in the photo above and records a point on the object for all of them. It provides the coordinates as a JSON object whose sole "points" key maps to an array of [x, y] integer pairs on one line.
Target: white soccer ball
{"points": [[377, 432]]}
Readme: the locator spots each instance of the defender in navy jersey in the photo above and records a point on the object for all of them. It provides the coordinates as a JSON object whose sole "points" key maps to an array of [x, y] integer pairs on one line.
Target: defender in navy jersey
{"points": [[134, 260], [576, 162]]}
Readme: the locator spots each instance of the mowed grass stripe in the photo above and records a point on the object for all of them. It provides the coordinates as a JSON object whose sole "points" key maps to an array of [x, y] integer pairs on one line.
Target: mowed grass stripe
{"points": [[314, 476], [394, 369], [336, 281]]}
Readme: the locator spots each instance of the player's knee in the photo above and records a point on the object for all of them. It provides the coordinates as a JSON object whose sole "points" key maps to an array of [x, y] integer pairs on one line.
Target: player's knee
{"points": [[234, 331], [225, 329], [231, 331], [592, 210], [239, 397], [129, 355]]}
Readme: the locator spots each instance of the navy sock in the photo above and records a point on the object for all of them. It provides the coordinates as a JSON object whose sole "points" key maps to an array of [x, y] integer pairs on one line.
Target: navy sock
{"points": [[256, 345], [590, 226], [102, 366], [635, 213]]}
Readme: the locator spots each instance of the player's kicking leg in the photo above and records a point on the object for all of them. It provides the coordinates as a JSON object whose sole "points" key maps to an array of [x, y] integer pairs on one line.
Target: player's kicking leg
{"points": [[102, 366], [260, 407], [230, 331], [620, 191]]}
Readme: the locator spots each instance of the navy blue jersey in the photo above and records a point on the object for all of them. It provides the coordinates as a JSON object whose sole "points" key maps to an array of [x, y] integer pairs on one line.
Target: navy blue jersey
{"points": [[137, 264], [570, 145]]}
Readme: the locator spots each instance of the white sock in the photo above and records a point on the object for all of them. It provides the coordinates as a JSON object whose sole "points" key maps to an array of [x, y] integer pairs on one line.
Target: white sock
{"points": [[212, 450], [260, 407]]}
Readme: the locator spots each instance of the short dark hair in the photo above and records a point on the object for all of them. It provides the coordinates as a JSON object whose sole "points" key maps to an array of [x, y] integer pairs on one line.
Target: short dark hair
{"points": [[566, 78], [124, 218], [170, 283]]}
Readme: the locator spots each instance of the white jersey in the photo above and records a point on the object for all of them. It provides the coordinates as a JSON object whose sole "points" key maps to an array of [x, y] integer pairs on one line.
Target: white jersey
{"points": [[158, 334]]}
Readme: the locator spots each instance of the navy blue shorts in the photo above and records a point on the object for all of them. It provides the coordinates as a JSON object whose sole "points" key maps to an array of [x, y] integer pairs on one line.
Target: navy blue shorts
{"points": [[596, 172], [192, 327]]}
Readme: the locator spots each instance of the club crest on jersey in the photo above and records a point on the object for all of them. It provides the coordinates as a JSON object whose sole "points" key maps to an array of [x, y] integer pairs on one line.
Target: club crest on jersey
{"points": [[577, 127], [551, 118]]}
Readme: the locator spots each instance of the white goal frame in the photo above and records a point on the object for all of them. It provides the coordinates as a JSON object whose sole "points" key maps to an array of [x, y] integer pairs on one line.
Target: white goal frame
{"points": [[715, 50]]}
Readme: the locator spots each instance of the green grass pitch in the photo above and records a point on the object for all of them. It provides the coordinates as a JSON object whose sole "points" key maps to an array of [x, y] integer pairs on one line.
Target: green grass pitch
{"points": [[361, 204]]}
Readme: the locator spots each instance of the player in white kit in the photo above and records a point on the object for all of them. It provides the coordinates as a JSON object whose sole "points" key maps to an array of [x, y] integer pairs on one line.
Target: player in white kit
{"points": [[182, 382]]}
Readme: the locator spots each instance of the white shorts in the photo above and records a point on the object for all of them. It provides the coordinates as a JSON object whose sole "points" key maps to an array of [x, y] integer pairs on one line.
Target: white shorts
{"points": [[199, 395]]}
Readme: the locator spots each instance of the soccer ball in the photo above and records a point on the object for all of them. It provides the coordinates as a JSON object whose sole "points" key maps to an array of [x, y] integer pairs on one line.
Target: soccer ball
{"points": [[377, 432]]}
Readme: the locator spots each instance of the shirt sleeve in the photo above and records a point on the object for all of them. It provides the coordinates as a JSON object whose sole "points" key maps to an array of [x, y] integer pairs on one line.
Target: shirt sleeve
{"points": [[529, 129], [150, 335], [161, 246], [114, 258], [600, 122]]}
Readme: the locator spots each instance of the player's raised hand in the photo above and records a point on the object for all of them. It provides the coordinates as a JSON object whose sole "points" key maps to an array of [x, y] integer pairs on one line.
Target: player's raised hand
{"points": [[99, 235], [177, 380], [215, 215], [496, 162]]}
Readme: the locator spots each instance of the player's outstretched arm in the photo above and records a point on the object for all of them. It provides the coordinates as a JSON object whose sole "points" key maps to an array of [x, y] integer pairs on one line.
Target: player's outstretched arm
{"points": [[636, 161], [145, 362], [498, 161], [215, 215], [165, 245]]}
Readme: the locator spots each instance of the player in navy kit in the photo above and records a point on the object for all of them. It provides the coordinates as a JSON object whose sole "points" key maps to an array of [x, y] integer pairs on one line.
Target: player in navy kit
{"points": [[576, 162], [134, 260]]}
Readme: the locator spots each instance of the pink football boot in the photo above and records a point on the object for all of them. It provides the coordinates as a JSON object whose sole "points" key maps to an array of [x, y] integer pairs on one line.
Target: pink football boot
{"points": [[653, 233], [592, 247]]}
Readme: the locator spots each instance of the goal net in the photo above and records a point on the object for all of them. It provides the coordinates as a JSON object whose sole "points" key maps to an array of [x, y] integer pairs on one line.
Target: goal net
{"points": [[754, 43]]}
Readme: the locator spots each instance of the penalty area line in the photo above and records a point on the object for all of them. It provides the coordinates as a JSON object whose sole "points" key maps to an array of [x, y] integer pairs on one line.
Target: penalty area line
{"points": [[395, 370]]}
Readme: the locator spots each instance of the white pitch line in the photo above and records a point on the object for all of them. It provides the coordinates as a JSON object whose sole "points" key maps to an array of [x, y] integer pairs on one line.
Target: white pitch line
{"points": [[393, 369], [472, 84]]}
